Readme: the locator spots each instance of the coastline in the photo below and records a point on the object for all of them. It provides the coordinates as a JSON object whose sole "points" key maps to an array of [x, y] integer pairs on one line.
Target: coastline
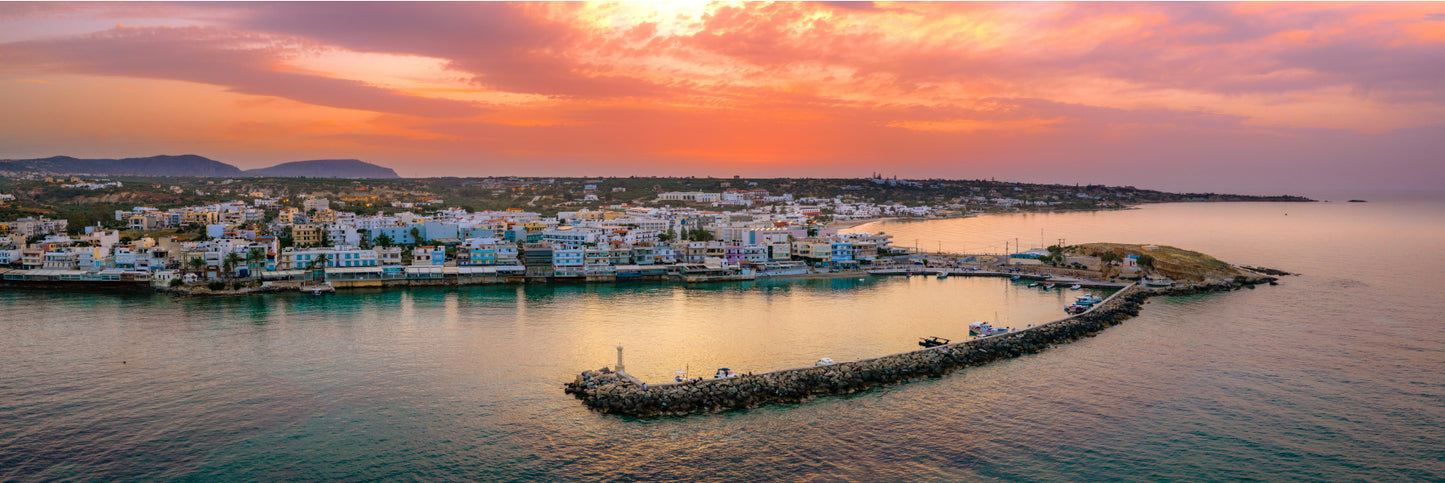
{"points": [[846, 224]]}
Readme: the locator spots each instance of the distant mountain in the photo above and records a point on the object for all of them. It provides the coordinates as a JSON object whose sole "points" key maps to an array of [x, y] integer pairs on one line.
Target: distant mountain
{"points": [[325, 168], [183, 165], [196, 166]]}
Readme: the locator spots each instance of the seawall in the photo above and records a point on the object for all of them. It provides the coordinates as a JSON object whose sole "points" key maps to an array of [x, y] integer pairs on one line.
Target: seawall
{"points": [[610, 392]]}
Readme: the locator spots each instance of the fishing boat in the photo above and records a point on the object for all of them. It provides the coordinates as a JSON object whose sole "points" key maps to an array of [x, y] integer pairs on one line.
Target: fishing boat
{"points": [[1048, 286], [1076, 309], [724, 373], [1015, 277], [1076, 287], [1157, 282], [1032, 285], [934, 341], [983, 329], [942, 275], [1089, 299], [322, 288]]}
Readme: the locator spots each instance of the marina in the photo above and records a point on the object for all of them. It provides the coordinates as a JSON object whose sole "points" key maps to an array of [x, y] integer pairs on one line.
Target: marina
{"points": [[614, 391]]}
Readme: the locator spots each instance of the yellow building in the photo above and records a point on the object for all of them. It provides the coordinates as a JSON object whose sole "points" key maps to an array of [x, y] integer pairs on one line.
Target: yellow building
{"points": [[306, 235]]}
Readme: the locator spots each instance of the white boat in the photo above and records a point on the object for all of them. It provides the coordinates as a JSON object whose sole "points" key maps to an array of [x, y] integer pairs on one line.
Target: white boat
{"points": [[1076, 287], [724, 373], [942, 275], [1032, 285], [983, 329], [1048, 286], [1015, 277], [1076, 309], [1089, 299], [824, 362]]}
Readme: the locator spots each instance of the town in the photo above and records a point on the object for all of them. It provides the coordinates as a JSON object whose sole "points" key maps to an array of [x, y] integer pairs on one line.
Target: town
{"points": [[243, 244], [306, 241]]}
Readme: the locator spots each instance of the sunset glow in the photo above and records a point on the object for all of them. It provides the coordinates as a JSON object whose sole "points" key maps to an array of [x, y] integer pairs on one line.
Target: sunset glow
{"points": [[1171, 95]]}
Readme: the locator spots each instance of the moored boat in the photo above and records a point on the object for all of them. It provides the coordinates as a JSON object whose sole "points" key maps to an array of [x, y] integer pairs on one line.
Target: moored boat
{"points": [[1076, 287], [1089, 299], [984, 329], [934, 341]]}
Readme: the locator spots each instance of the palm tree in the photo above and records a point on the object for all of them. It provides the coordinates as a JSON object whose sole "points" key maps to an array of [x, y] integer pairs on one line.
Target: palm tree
{"points": [[320, 261], [229, 265], [197, 264], [255, 255]]}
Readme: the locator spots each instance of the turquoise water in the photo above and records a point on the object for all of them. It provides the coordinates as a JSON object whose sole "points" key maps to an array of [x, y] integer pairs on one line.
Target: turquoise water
{"points": [[1333, 375]]}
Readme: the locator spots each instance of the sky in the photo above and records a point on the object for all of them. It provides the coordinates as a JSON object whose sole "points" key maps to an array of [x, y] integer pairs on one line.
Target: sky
{"points": [[1231, 97]]}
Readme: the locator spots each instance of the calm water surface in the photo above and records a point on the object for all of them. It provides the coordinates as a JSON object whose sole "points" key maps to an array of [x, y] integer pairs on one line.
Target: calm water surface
{"points": [[1333, 375]]}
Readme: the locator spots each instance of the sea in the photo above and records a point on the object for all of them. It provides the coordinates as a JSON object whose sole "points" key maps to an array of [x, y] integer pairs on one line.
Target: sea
{"points": [[1336, 374]]}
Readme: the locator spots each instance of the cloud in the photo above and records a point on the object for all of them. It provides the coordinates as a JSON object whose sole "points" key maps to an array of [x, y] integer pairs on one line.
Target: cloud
{"points": [[244, 63], [947, 87]]}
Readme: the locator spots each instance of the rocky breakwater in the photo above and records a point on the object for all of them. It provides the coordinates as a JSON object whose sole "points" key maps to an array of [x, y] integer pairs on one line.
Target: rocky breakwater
{"points": [[608, 392]]}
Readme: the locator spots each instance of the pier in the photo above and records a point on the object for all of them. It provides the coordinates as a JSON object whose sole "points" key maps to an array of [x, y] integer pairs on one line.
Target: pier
{"points": [[613, 392], [966, 272]]}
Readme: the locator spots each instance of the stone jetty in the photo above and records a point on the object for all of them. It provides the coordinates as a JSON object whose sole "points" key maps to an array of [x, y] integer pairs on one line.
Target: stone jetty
{"points": [[611, 392]]}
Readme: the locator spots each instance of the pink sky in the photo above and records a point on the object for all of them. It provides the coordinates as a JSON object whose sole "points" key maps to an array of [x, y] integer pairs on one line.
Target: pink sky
{"points": [[1217, 96]]}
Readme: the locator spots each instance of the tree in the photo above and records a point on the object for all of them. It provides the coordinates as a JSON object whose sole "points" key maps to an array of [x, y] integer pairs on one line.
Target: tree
{"points": [[285, 239], [385, 240], [320, 261], [197, 263], [255, 255], [1110, 257], [1146, 261], [670, 235], [415, 236], [365, 238], [229, 265]]}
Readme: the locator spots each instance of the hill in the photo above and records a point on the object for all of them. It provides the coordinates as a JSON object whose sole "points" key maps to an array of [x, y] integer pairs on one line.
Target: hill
{"points": [[164, 165], [1175, 263], [325, 168], [190, 165]]}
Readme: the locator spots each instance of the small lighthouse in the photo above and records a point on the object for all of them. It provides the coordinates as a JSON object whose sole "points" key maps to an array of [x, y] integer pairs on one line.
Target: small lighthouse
{"points": [[619, 359]]}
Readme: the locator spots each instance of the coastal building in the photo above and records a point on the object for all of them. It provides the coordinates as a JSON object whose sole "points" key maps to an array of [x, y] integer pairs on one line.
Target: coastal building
{"points": [[306, 235], [429, 256]]}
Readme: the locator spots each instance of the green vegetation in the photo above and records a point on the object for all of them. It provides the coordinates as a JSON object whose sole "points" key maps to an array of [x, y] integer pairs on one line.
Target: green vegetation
{"points": [[1174, 263], [41, 196]]}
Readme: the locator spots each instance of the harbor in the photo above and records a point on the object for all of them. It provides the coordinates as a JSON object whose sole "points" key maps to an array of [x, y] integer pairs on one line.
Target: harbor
{"points": [[614, 391]]}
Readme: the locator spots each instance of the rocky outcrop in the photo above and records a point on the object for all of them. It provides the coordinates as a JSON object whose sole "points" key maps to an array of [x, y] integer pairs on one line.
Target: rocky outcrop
{"points": [[609, 392]]}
